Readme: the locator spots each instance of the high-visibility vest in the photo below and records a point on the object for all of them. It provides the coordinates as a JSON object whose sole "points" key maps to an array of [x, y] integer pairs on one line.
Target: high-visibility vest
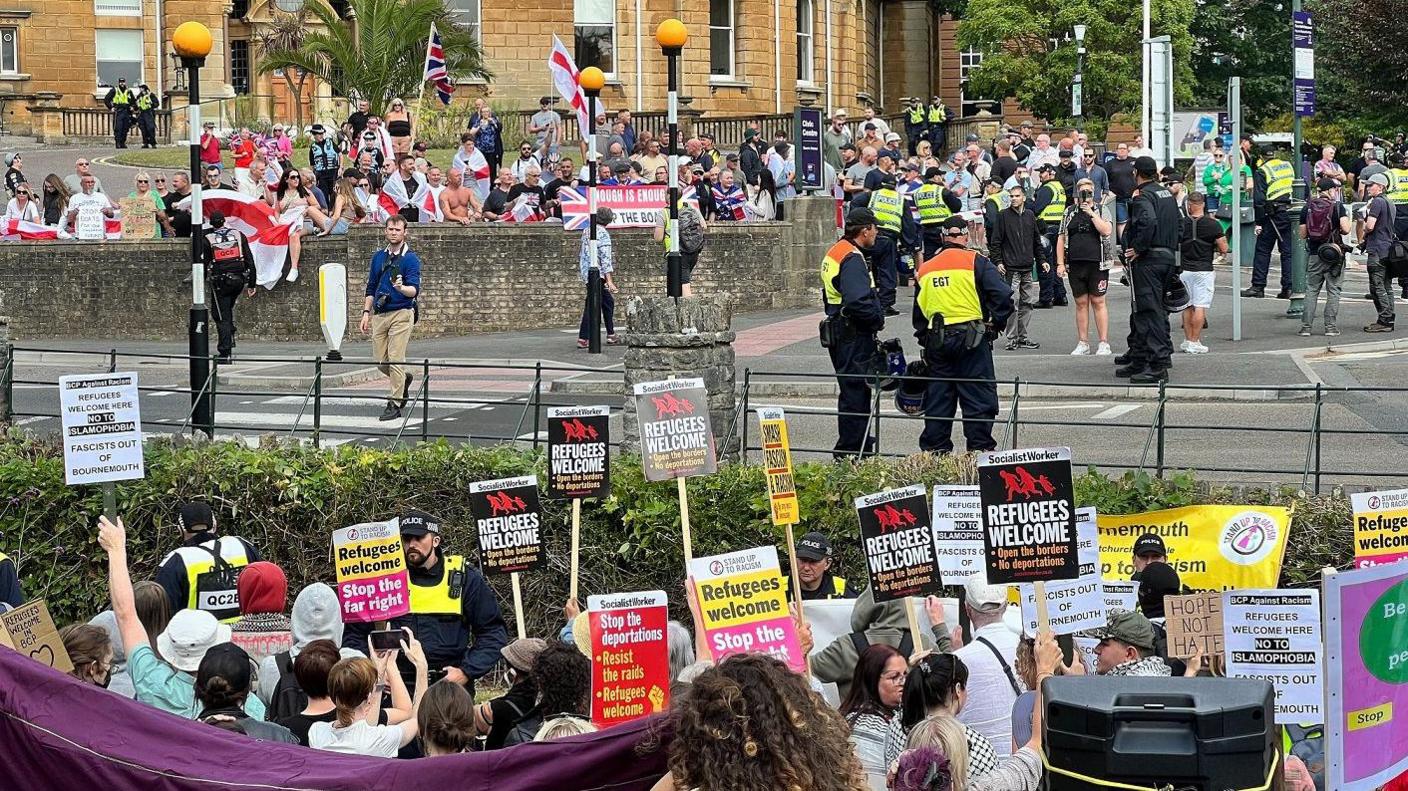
{"points": [[938, 113], [947, 286], [1278, 174], [998, 199], [1056, 209], [887, 205], [121, 96], [144, 102], [831, 267], [838, 588], [916, 114], [199, 560], [929, 200], [439, 599], [1398, 186]]}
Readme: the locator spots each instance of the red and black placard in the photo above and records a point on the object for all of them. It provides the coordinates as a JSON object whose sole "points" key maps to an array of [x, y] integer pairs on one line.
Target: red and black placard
{"points": [[579, 460], [509, 519], [899, 543], [1029, 515]]}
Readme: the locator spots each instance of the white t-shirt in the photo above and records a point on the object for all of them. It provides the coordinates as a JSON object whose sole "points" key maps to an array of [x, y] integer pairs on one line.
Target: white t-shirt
{"points": [[359, 738], [990, 696]]}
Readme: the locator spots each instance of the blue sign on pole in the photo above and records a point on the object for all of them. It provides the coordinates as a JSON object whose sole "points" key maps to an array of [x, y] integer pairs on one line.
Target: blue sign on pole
{"points": [[1303, 50], [808, 136]]}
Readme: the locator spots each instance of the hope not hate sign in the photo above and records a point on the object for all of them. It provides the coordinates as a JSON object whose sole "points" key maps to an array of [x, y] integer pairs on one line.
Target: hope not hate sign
{"points": [[1194, 622]]}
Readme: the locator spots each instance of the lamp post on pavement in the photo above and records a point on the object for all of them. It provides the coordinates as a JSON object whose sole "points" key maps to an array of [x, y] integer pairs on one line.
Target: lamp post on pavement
{"points": [[192, 42], [1077, 85], [592, 79], [1302, 103], [671, 36]]}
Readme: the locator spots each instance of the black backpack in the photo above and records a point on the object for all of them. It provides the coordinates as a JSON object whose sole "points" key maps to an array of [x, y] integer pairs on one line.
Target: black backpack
{"points": [[288, 697]]}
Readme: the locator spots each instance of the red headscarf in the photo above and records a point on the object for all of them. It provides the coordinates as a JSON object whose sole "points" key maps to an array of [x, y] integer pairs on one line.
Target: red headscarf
{"points": [[263, 588]]}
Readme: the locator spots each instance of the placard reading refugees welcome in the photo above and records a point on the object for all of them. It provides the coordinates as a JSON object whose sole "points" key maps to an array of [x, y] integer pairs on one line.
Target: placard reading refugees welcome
{"points": [[743, 603], [1072, 605], [508, 517], [1029, 531], [102, 425], [958, 532], [676, 440], [1380, 527], [578, 452], [372, 581], [898, 543], [1274, 635]]}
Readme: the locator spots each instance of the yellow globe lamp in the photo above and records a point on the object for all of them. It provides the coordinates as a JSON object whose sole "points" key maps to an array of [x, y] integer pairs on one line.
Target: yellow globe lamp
{"points": [[591, 79], [671, 35], [192, 41]]}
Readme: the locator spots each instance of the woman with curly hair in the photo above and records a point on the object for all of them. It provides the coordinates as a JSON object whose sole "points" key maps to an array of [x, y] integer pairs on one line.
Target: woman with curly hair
{"points": [[564, 678], [872, 708], [750, 723]]}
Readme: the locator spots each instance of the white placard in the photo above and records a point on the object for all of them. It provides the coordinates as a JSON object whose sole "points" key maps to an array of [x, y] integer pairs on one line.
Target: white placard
{"points": [[102, 424], [1072, 605], [1275, 635], [958, 532], [1121, 595]]}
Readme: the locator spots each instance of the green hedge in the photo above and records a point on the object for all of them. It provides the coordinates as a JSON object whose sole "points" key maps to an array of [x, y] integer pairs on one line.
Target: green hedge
{"points": [[286, 499]]}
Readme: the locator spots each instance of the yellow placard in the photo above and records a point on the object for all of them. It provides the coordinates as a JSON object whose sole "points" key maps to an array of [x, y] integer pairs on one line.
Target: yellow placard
{"points": [[777, 465], [1380, 526], [741, 599], [1212, 547], [1369, 718]]}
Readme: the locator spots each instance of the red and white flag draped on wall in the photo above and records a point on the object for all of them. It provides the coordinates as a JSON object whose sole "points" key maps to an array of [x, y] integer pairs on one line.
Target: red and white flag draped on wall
{"points": [[24, 231], [427, 199], [565, 78], [266, 229]]}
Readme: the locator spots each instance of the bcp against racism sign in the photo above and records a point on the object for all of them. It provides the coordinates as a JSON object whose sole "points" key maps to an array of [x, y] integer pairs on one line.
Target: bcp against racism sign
{"points": [[372, 581], [630, 656], [1212, 547], [1029, 530], [102, 424], [898, 543], [1072, 605], [29, 630], [1274, 635], [578, 458], [743, 603], [777, 465], [676, 440], [1380, 527], [958, 532], [508, 518]]}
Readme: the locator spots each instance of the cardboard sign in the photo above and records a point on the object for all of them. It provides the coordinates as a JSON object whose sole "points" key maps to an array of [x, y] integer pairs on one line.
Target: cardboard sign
{"points": [[958, 532], [372, 581], [138, 217], [1194, 621], [1121, 595], [1072, 605], [630, 656], [1274, 635], [1380, 527], [29, 630], [777, 466], [676, 440], [102, 423], [743, 603], [1212, 547], [579, 460], [508, 517], [898, 543], [1029, 530]]}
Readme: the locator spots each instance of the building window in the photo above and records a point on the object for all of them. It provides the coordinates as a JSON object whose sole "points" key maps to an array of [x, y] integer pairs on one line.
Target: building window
{"points": [[873, 36], [117, 7], [465, 14], [968, 60], [239, 65], [595, 34], [9, 50], [119, 54], [806, 23], [721, 38]]}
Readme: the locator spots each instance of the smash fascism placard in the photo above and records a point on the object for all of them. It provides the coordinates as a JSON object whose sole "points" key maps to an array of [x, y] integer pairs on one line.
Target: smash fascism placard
{"points": [[508, 516], [676, 440], [898, 543], [1029, 530], [578, 458], [777, 465], [630, 656]]}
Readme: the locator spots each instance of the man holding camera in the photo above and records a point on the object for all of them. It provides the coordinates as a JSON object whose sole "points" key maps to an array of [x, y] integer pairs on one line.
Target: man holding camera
{"points": [[389, 311]]}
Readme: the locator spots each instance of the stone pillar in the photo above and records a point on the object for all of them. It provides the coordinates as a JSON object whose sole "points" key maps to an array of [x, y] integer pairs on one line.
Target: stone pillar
{"points": [[47, 118], [813, 219], [687, 340]]}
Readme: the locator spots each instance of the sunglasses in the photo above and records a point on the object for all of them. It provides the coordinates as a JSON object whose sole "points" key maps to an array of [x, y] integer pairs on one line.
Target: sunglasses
{"points": [[294, 177], [143, 181], [363, 185], [163, 181]]}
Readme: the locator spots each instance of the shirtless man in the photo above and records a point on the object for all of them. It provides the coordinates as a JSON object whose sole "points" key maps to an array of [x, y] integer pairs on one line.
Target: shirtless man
{"points": [[457, 202]]}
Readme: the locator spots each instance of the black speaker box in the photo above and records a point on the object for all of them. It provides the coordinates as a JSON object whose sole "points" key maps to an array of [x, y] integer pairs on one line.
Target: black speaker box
{"points": [[1189, 734]]}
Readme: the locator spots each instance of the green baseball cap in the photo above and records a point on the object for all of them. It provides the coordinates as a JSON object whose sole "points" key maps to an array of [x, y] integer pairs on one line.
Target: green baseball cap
{"points": [[1128, 627]]}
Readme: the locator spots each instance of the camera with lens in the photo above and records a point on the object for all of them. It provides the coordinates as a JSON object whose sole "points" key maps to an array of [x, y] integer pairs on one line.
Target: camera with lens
{"points": [[1086, 195], [391, 272]]}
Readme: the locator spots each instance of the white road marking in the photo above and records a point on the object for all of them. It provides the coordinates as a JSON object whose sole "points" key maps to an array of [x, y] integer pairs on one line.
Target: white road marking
{"points": [[26, 421], [1115, 411], [162, 393], [283, 421]]}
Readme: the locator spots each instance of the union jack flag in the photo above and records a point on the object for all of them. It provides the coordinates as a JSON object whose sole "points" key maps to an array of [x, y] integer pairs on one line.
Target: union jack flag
{"points": [[435, 70], [575, 214]]}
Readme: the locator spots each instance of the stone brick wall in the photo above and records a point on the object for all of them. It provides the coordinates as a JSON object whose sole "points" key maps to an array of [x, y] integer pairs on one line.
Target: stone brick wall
{"points": [[476, 279]]}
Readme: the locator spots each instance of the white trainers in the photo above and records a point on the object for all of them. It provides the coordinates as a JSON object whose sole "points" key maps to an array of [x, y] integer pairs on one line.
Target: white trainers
{"points": [[1081, 348], [292, 276], [1183, 347], [1103, 350], [1196, 348]]}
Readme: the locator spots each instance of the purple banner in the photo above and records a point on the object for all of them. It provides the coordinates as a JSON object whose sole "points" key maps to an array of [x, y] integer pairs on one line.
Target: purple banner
{"points": [[1303, 51]]}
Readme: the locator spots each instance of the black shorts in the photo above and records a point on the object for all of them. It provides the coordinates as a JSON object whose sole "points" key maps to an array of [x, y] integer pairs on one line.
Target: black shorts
{"points": [[687, 262], [1088, 279]]}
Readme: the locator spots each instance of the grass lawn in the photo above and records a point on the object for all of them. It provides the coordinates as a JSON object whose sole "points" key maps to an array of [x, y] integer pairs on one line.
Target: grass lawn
{"points": [[179, 157]]}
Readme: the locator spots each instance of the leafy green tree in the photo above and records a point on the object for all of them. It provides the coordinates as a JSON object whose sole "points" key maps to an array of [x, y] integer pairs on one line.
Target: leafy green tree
{"points": [[283, 36], [1361, 66], [1029, 53], [1250, 39], [378, 51]]}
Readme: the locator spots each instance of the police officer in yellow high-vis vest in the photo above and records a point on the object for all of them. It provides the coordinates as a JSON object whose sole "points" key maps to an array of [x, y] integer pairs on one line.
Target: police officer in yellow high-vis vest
{"points": [[916, 123], [853, 317], [202, 573], [896, 225], [934, 204], [1397, 193], [814, 571], [10, 591], [1271, 202], [937, 117], [1049, 204], [961, 305], [120, 100], [454, 614], [147, 103]]}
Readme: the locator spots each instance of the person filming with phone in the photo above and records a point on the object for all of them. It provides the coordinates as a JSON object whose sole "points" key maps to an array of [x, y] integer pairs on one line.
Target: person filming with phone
{"points": [[389, 311], [453, 614]]}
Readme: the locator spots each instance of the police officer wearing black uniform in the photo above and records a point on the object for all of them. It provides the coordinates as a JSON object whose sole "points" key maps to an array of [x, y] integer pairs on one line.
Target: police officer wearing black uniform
{"points": [[147, 104], [453, 614], [916, 123], [325, 161], [853, 317], [898, 234], [119, 99], [1150, 239], [230, 266], [961, 304], [814, 571]]}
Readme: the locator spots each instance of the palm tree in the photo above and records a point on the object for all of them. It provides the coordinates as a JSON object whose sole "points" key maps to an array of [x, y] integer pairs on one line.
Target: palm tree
{"points": [[285, 36], [378, 52]]}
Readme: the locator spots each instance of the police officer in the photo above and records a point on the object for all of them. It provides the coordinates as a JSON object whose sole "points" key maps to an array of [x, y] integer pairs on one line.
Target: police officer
{"points": [[916, 123], [324, 159], [935, 204], [230, 267], [1271, 202], [119, 99], [853, 317], [10, 591], [1397, 193], [937, 117], [1049, 203], [814, 570], [201, 574], [961, 305], [454, 614], [1151, 237], [895, 225], [147, 103]]}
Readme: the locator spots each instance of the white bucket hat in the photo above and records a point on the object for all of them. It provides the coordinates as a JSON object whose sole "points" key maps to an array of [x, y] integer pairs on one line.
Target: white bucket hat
{"points": [[188, 636]]}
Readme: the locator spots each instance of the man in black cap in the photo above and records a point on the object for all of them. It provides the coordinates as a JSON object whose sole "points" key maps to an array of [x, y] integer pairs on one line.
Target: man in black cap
{"points": [[147, 103], [453, 614], [202, 573], [1049, 205], [230, 267], [324, 159], [1127, 647], [1150, 241], [1148, 548], [853, 317], [814, 570], [120, 100]]}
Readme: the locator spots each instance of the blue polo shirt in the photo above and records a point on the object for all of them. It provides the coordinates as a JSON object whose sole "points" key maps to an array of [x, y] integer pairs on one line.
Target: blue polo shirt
{"points": [[378, 284]]}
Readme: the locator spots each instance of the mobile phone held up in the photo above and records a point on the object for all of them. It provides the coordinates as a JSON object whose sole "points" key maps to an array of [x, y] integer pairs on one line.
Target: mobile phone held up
{"points": [[386, 640]]}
